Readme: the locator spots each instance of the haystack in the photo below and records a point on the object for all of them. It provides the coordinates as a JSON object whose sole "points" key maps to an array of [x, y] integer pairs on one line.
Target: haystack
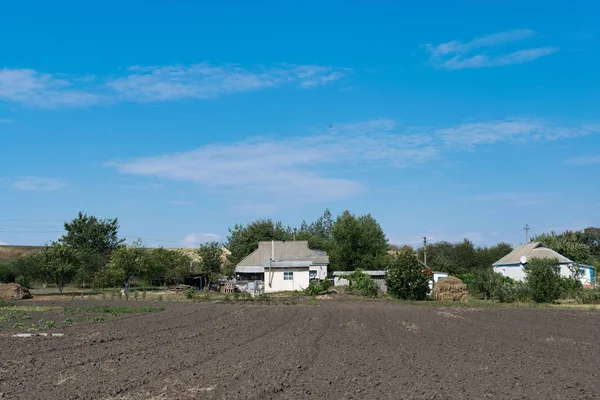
{"points": [[13, 291], [450, 289]]}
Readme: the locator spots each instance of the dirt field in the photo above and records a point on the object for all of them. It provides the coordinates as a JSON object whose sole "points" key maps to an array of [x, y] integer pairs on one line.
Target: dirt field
{"points": [[334, 349]]}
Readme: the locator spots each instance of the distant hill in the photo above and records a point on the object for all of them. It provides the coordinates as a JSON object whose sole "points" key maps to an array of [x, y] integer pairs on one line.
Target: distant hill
{"points": [[9, 253]]}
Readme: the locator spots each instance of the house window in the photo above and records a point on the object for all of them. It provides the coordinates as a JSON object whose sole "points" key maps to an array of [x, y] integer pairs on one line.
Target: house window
{"points": [[288, 275]]}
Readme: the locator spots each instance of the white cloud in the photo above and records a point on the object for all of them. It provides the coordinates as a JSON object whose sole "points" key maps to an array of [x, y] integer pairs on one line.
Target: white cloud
{"points": [[3, 243], [263, 174], [180, 203], [195, 239], [589, 160], [34, 89], [38, 184], [204, 81], [490, 51], [31, 88]]}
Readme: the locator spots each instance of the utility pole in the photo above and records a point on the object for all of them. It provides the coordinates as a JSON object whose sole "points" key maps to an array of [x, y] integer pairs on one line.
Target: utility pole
{"points": [[425, 251], [295, 234], [526, 229]]}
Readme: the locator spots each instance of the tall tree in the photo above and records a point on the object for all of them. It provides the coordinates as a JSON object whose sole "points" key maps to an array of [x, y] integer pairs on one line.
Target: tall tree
{"points": [[243, 239], [211, 259], [125, 263], [406, 278], [88, 233], [58, 264], [570, 244], [358, 243]]}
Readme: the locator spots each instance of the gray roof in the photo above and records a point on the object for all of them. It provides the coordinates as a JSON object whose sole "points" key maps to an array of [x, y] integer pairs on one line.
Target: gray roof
{"points": [[530, 250], [370, 273], [284, 251]]}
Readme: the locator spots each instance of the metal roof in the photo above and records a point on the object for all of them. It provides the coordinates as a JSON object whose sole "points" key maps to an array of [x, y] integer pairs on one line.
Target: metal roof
{"points": [[284, 251], [531, 250]]}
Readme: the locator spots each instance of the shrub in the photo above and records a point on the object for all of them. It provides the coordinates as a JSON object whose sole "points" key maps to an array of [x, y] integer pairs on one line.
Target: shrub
{"points": [[406, 279], [543, 279], [190, 293], [588, 296], [570, 287], [361, 283], [510, 292], [317, 287], [6, 274], [23, 281], [486, 282]]}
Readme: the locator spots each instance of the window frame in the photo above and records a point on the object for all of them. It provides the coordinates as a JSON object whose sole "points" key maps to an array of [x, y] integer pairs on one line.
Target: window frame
{"points": [[288, 275]]}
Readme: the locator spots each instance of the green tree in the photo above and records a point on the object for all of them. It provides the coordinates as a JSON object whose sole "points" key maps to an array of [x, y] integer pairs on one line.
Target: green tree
{"points": [[243, 239], [570, 244], [7, 274], [211, 259], [88, 233], [543, 279], [58, 264], [358, 243], [165, 264], [125, 263], [406, 278]]}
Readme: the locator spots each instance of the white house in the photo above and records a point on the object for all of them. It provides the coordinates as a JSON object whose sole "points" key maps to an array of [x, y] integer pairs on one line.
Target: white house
{"points": [[511, 265], [283, 266]]}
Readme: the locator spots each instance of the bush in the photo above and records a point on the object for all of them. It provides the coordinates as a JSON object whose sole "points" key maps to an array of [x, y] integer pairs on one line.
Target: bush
{"points": [[544, 280], [317, 287], [23, 281], [190, 293], [361, 283], [510, 292], [6, 274], [570, 287], [588, 296], [485, 283], [406, 279]]}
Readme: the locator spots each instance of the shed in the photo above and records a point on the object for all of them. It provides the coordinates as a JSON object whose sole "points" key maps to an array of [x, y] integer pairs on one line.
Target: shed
{"points": [[378, 276]]}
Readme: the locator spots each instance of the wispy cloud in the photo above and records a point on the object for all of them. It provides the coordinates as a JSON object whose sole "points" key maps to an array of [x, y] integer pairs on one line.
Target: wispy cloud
{"points": [[586, 160], [3, 243], [38, 184], [195, 239], [31, 88], [6, 121], [204, 81], [487, 51], [314, 168]]}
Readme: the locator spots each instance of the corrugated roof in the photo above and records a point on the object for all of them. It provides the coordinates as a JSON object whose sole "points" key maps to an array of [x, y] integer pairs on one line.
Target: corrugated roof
{"points": [[284, 251], [530, 250]]}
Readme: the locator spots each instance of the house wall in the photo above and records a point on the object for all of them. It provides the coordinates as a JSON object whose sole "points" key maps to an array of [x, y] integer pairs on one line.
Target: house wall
{"points": [[275, 277]]}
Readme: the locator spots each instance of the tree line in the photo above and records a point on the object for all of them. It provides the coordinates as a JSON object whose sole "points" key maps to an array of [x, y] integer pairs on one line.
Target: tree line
{"points": [[91, 253]]}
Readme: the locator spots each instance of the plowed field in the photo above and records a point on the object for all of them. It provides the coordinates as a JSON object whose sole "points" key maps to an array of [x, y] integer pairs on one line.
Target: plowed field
{"points": [[341, 350]]}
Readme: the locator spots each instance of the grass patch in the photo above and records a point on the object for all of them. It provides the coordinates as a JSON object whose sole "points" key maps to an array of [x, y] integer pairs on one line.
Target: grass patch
{"points": [[12, 315]]}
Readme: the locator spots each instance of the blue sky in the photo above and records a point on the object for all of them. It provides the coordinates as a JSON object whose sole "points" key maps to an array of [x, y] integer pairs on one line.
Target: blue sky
{"points": [[182, 118]]}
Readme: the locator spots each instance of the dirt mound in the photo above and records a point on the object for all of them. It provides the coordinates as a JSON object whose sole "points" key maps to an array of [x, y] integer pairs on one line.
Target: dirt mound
{"points": [[450, 289], [13, 291]]}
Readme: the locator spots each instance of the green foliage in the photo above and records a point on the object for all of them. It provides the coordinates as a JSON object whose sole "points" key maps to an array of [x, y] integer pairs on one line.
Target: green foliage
{"points": [[4, 303], [361, 283], [23, 280], [125, 263], [358, 243], [570, 287], [190, 293], [510, 292], [588, 296], [160, 263], [11, 315], [319, 233], [48, 324], [543, 279], [406, 278], [90, 234], [484, 283], [211, 259], [67, 321], [318, 287], [58, 264], [463, 257], [7, 274]]}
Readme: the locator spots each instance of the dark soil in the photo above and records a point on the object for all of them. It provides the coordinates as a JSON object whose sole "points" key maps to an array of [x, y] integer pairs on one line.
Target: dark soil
{"points": [[341, 350]]}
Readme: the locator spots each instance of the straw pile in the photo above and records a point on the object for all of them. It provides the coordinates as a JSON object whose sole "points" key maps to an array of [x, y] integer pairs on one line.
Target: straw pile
{"points": [[13, 291], [450, 289]]}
